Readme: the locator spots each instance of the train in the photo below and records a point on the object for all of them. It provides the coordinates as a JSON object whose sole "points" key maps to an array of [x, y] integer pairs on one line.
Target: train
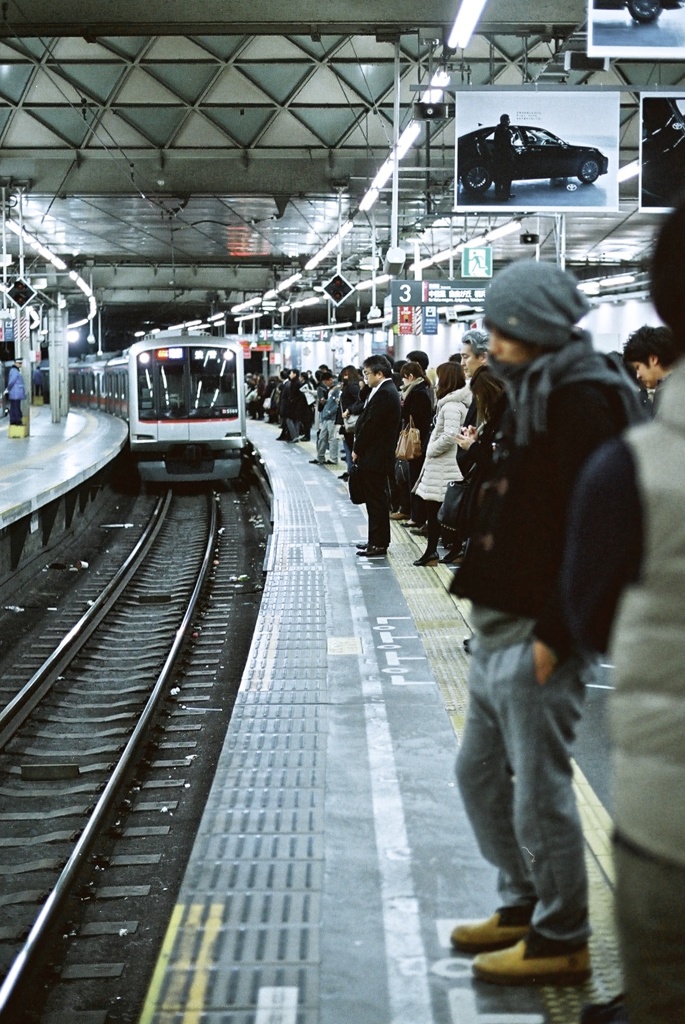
{"points": [[183, 398]]}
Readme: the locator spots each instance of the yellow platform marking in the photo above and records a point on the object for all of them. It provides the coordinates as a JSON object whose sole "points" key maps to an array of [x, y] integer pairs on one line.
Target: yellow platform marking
{"points": [[192, 966]]}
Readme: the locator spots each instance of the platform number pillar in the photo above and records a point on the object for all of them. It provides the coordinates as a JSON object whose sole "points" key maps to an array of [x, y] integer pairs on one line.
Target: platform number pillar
{"points": [[22, 348], [58, 358]]}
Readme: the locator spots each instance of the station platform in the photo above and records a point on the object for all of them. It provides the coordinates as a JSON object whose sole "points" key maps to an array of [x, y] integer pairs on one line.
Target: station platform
{"points": [[54, 459], [334, 856]]}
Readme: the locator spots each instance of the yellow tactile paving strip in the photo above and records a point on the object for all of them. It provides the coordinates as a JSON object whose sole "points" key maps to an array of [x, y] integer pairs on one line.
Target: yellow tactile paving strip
{"points": [[442, 621]]}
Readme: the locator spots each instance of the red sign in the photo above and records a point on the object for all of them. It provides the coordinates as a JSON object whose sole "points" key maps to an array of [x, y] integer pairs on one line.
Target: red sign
{"points": [[405, 319]]}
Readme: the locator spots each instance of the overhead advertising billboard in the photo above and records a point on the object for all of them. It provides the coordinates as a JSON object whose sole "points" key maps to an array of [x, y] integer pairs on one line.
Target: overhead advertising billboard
{"points": [[636, 29], [547, 151], [662, 150]]}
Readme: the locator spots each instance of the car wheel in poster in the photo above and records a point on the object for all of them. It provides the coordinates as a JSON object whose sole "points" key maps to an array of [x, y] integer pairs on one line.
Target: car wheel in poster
{"points": [[477, 178], [588, 171], [644, 11]]}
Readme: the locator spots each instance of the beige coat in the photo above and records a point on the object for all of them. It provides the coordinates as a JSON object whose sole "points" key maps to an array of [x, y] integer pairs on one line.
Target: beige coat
{"points": [[441, 455]]}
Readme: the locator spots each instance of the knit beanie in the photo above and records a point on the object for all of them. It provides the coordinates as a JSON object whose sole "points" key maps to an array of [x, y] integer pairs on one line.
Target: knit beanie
{"points": [[535, 302]]}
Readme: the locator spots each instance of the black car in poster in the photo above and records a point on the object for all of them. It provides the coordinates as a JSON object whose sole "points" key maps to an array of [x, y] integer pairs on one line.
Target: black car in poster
{"points": [[663, 151], [536, 153], [641, 11]]}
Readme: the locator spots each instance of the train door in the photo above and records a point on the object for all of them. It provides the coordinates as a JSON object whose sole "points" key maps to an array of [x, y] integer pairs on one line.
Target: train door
{"points": [[163, 393]]}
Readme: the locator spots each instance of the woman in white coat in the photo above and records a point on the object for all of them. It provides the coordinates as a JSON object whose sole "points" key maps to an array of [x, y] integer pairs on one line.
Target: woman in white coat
{"points": [[453, 399]]}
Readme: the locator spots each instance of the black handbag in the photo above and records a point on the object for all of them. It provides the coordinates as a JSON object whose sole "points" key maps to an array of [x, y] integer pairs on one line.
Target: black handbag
{"points": [[449, 513], [355, 484]]}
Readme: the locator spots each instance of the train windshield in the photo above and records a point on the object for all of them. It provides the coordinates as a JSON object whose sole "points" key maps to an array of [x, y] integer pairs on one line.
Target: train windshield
{"points": [[187, 382]]}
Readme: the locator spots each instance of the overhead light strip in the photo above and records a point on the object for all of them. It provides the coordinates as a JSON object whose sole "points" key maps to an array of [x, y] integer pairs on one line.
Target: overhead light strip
{"points": [[465, 23]]}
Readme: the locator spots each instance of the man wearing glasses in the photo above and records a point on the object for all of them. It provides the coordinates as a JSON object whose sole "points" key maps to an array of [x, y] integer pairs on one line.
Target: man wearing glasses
{"points": [[374, 452]]}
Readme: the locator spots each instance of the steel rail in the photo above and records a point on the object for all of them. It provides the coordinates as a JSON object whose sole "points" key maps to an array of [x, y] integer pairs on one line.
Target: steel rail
{"points": [[26, 958], [30, 695]]}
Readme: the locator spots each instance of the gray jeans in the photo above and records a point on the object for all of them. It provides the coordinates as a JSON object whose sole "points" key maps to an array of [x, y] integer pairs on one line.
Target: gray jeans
{"points": [[329, 437], [514, 773]]}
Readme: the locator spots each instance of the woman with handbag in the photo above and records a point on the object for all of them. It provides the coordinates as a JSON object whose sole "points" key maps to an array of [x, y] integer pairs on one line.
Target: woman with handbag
{"points": [[440, 466], [417, 408], [349, 397], [487, 391]]}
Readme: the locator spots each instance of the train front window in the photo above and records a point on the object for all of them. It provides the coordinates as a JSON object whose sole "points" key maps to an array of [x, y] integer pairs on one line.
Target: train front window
{"points": [[213, 391]]}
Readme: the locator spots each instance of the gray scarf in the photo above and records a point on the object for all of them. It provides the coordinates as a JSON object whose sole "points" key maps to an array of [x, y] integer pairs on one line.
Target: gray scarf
{"points": [[529, 385]]}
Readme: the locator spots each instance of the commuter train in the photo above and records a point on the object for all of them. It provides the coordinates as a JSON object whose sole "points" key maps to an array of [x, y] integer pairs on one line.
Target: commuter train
{"points": [[184, 400]]}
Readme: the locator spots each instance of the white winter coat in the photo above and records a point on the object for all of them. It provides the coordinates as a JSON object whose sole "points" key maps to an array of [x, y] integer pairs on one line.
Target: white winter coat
{"points": [[441, 454]]}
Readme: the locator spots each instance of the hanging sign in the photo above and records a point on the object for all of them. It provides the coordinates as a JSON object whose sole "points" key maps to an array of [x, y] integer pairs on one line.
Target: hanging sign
{"points": [[436, 293]]}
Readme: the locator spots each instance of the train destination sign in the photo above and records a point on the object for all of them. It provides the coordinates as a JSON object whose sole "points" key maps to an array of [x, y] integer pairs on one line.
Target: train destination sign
{"points": [[435, 293]]}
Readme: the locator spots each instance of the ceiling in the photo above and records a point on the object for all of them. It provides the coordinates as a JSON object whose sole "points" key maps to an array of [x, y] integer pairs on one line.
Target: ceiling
{"points": [[186, 156]]}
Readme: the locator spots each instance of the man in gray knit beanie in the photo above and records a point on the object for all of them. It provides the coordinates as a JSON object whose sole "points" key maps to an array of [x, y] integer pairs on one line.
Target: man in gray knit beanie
{"points": [[526, 678]]}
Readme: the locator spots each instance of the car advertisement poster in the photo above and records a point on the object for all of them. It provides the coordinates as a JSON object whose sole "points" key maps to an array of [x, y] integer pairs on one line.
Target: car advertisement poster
{"points": [[543, 150], [662, 150], [636, 29]]}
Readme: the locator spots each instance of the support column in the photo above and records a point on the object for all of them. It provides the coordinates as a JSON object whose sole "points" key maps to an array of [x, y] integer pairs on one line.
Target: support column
{"points": [[58, 358]]}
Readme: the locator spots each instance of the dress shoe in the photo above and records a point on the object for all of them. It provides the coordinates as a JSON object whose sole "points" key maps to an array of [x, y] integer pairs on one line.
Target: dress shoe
{"points": [[504, 928], [398, 516], [372, 552], [452, 558], [522, 964], [344, 476], [427, 558], [315, 462], [362, 545], [329, 463]]}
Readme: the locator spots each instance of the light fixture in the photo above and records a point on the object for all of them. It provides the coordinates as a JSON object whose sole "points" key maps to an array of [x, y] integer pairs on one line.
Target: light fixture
{"points": [[628, 171], [617, 280], [364, 285], [464, 24], [328, 327], [248, 304], [330, 245]]}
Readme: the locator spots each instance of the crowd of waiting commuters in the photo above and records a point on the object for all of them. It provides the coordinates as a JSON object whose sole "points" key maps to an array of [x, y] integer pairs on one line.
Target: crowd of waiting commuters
{"points": [[564, 473]]}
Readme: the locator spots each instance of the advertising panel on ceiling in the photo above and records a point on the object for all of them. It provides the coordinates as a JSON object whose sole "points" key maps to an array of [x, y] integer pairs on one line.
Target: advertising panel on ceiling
{"points": [[636, 29], [548, 151], [662, 150]]}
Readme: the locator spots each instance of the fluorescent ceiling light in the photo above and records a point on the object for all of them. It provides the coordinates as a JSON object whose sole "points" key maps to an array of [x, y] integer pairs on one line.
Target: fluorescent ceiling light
{"points": [[329, 327], [408, 138], [369, 199], [465, 22], [628, 171], [248, 304], [618, 279], [439, 82], [589, 287], [331, 244], [363, 285], [501, 232], [139, 334], [216, 316]]}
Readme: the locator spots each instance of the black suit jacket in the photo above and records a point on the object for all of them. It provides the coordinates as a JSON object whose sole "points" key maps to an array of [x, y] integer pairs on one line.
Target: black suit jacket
{"points": [[377, 429]]}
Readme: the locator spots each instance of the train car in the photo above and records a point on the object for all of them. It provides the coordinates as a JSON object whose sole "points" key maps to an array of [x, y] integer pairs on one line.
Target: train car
{"points": [[183, 398], [186, 407]]}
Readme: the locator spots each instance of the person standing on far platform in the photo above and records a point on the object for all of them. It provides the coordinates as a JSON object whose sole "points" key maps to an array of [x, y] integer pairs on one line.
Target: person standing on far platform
{"points": [[37, 380], [526, 678], [373, 453], [624, 587], [16, 392]]}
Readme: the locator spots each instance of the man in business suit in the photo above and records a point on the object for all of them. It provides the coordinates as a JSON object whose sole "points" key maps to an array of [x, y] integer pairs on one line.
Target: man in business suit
{"points": [[374, 451]]}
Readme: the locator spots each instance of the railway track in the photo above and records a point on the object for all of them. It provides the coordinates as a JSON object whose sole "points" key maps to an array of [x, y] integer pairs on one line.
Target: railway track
{"points": [[69, 739]]}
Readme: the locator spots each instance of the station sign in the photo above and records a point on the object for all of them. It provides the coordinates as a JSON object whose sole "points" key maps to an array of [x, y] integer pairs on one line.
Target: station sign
{"points": [[436, 293]]}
